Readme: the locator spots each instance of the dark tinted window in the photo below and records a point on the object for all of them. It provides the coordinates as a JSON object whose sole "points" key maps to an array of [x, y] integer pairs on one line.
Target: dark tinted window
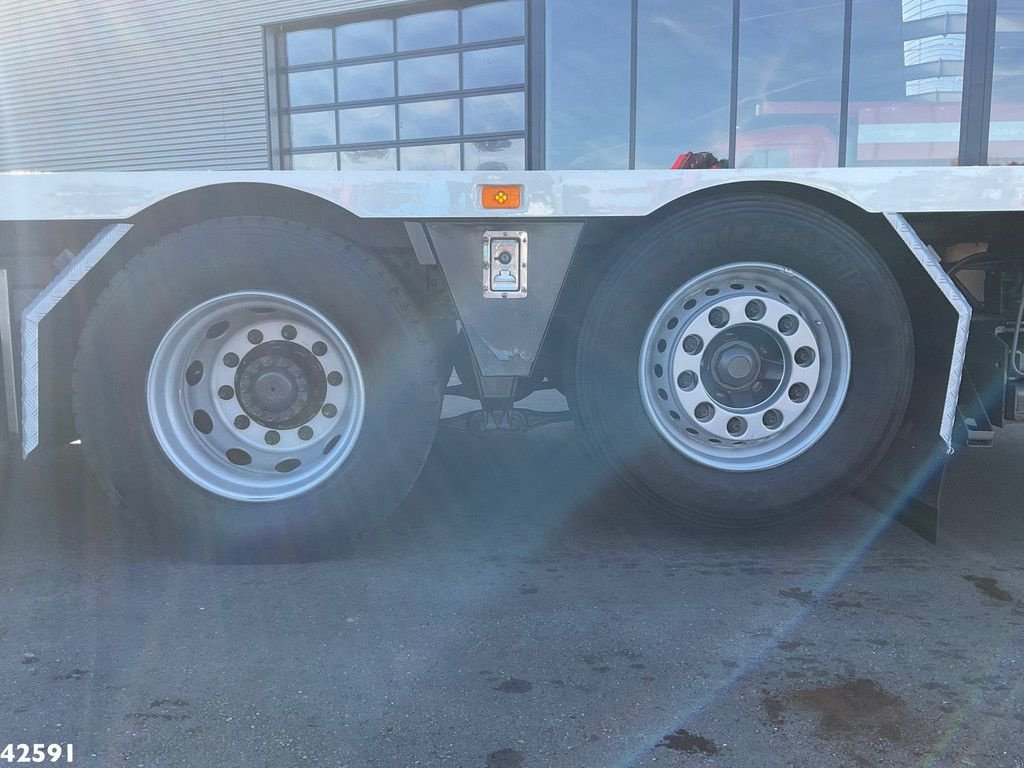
{"points": [[684, 66], [588, 81], [906, 80], [1006, 133], [790, 83]]}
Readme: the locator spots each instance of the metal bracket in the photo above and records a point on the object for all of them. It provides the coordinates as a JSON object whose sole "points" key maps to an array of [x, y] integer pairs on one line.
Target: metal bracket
{"points": [[38, 309], [517, 420]]}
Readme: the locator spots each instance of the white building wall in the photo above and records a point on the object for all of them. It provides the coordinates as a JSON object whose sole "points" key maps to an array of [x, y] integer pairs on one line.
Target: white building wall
{"points": [[139, 84]]}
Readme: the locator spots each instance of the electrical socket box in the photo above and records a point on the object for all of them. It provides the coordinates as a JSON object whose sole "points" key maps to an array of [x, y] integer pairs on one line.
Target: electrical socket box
{"points": [[505, 265]]}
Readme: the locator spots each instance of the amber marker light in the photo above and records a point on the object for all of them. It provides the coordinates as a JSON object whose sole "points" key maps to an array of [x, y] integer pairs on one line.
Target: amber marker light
{"points": [[505, 196]]}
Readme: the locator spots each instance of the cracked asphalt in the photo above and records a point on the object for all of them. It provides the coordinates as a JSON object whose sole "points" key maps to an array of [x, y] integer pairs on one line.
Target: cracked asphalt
{"points": [[520, 610]]}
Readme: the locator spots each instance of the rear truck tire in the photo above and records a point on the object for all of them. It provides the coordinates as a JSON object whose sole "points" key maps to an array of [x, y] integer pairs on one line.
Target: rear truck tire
{"points": [[743, 361], [257, 390]]}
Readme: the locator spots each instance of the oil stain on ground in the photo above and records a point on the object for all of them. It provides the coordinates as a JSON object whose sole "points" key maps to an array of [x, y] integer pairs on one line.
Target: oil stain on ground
{"points": [[773, 707], [855, 707], [514, 685], [504, 758], [691, 743], [802, 596], [990, 587]]}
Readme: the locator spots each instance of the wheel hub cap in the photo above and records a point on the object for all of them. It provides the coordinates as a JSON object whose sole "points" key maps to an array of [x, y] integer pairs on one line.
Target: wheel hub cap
{"points": [[280, 384], [745, 367]]}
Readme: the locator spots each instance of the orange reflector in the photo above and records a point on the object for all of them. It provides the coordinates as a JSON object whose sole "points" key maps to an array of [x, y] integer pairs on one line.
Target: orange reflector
{"points": [[510, 196]]}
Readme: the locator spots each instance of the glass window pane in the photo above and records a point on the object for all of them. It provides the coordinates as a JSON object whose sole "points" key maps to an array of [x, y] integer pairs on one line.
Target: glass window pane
{"points": [[790, 83], [1006, 132], [429, 74], [494, 67], [366, 81], [905, 82], [316, 161], [308, 46], [313, 87], [384, 159], [588, 82], [428, 30], [437, 157], [366, 124], [684, 76], [496, 155], [500, 113], [492, 21], [365, 38], [313, 129], [426, 119]]}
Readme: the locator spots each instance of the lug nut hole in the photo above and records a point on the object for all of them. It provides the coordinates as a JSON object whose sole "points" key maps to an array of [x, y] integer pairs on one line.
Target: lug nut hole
{"points": [[319, 348], [242, 421], [772, 419], [225, 392], [693, 344], [334, 378], [305, 433], [330, 411], [798, 393], [231, 360], [788, 325], [804, 356], [288, 332], [687, 380], [704, 412], [736, 426], [718, 317], [272, 437], [754, 310], [255, 336]]}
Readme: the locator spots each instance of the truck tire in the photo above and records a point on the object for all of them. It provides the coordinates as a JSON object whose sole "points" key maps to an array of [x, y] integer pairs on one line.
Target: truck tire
{"points": [[256, 389], [743, 361]]}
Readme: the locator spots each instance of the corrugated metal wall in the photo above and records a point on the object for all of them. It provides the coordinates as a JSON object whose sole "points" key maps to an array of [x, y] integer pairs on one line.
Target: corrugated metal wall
{"points": [[139, 84]]}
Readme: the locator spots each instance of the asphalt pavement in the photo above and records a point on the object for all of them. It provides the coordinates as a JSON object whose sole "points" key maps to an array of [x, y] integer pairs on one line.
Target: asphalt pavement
{"points": [[520, 610]]}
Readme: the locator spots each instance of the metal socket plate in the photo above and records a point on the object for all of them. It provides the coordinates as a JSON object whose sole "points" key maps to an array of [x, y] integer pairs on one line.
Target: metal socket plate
{"points": [[489, 254]]}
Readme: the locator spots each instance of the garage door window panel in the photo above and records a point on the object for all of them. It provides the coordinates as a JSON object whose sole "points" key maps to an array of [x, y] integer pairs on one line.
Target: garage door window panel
{"points": [[441, 89]]}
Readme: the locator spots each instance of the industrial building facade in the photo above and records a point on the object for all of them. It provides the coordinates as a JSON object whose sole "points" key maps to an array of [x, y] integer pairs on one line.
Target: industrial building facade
{"points": [[506, 85]]}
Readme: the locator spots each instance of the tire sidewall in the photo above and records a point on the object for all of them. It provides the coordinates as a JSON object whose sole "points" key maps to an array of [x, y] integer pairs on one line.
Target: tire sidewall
{"points": [[674, 251], [331, 275]]}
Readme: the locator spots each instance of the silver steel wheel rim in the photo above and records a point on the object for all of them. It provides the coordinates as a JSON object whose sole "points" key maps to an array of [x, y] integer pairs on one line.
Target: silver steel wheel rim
{"points": [[719, 336], [236, 399]]}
